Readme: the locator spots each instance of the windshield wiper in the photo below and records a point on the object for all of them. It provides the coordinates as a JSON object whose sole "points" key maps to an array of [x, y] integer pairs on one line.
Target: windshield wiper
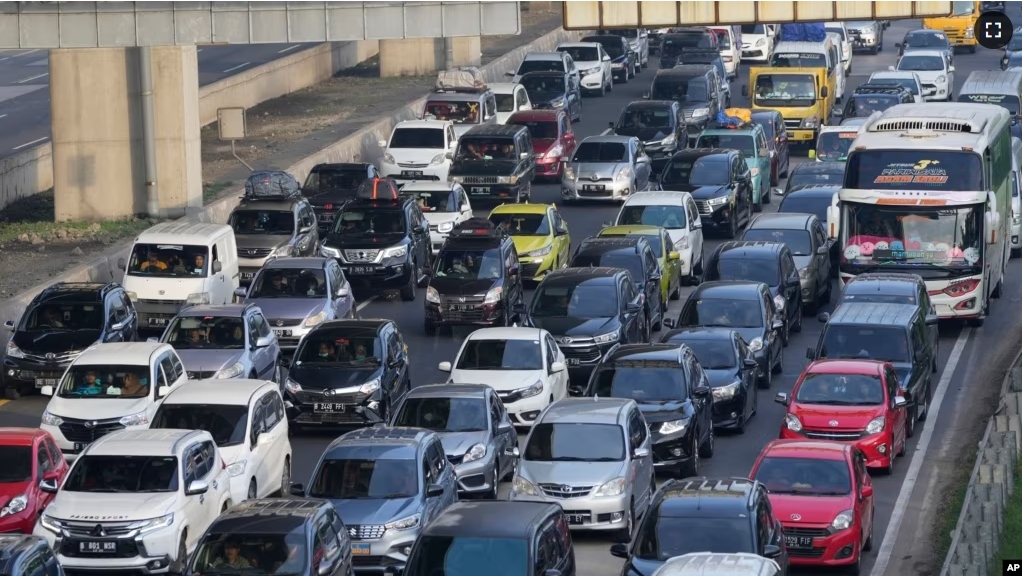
{"points": [[107, 490], [394, 495], [568, 459]]}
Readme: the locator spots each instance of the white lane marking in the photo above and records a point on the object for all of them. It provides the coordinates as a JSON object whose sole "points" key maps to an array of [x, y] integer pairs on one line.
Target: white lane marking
{"points": [[29, 79], [26, 53], [365, 303], [236, 67], [901, 504], [288, 49], [199, 50], [36, 141]]}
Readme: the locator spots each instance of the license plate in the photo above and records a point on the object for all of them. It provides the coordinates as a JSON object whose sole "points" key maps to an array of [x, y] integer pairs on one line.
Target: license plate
{"points": [[459, 307], [360, 550], [247, 275], [40, 382], [79, 446], [593, 187], [798, 541], [97, 547], [329, 408], [325, 217], [573, 361], [361, 270], [576, 519], [282, 333], [159, 322], [412, 173], [479, 190]]}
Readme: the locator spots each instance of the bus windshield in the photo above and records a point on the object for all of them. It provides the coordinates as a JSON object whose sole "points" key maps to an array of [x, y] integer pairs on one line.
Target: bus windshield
{"points": [[914, 170]]}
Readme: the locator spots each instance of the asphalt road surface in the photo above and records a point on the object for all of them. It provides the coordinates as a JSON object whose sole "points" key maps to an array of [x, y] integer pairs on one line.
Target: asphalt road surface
{"points": [[966, 348], [25, 83]]}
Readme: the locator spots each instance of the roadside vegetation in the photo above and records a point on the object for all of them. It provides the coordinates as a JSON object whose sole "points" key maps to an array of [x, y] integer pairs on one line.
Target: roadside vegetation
{"points": [[30, 221], [1010, 547]]}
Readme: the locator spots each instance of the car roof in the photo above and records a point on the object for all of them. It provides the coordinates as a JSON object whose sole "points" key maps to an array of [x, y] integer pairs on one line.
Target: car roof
{"points": [[927, 31], [490, 519], [298, 262], [820, 167], [181, 232], [920, 52], [381, 441], [766, 114], [545, 55], [884, 283], [213, 391], [586, 411], [73, 292], [12, 546], [609, 138], [268, 515], [894, 74], [711, 497], [529, 208], [506, 333], [534, 116], [700, 333], [437, 124], [449, 390], [20, 436], [873, 314], [813, 190], [151, 442], [229, 310], [656, 352], [363, 166], [582, 274], [782, 221], [118, 353], [649, 104], [812, 449], [718, 564], [657, 198], [756, 249], [845, 366], [702, 152], [728, 290]]}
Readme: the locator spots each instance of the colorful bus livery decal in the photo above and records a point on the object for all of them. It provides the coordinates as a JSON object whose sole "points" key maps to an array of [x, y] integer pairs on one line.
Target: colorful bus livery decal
{"points": [[923, 172]]}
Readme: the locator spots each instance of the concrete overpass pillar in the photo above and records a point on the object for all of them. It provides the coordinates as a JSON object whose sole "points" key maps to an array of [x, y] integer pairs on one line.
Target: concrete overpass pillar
{"points": [[423, 56], [98, 161]]}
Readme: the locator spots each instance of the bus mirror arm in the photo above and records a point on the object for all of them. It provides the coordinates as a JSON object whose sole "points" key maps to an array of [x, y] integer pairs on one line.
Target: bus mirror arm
{"points": [[833, 221]]}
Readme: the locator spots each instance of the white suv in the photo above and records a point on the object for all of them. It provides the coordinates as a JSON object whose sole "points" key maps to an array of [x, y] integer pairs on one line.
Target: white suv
{"points": [[136, 500], [109, 387], [419, 150], [248, 423]]}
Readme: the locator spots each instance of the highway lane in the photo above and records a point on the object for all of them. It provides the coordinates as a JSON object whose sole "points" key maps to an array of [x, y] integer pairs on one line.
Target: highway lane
{"points": [[734, 454], [25, 94]]}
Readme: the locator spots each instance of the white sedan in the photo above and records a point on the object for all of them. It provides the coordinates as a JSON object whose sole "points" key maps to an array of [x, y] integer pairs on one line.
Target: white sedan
{"points": [[524, 366]]}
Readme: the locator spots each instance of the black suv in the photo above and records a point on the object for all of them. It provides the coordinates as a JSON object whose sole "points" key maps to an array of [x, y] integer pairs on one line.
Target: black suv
{"points": [[659, 124], [673, 394], [476, 280], [870, 98], [278, 537], [704, 515], [381, 240], [710, 57], [347, 373], [330, 186], [622, 59], [634, 254], [494, 162], [895, 333], [672, 43], [720, 182], [469, 536], [694, 86], [28, 555], [267, 228], [61, 322], [588, 311], [815, 174]]}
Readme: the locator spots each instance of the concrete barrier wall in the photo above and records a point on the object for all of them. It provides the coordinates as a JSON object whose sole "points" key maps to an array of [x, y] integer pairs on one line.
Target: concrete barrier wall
{"points": [[31, 171], [977, 535], [363, 144]]}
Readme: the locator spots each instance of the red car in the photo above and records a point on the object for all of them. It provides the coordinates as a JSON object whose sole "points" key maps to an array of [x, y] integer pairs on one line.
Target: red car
{"points": [[28, 457], [552, 138], [856, 401], [823, 496]]}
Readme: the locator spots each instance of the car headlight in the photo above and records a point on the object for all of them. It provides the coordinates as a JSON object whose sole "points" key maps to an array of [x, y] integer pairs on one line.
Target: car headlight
{"points": [[535, 390], [16, 505], [404, 523], [523, 487], [328, 252], [445, 227], [198, 298], [438, 159], [432, 295], [238, 468], [876, 425], [139, 419], [51, 524], [605, 338], [52, 419], [315, 320], [756, 344], [699, 112], [232, 371], [475, 453], [719, 201], [555, 151], [615, 487], [369, 387], [673, 426], [792, 423], [842, 521], [754, 171], [507, 180], [726, 392], [1016, 220], [623, 174], [493, 296], [558, 103], [779, 303], [389, 158], [942, 79], [970, 33], [282, 251], [669, 140], [13, 351], [594, 70], [541, 252], [569, 172], [803, 273], [761, 42], [395, 252], [154, 523], [292, 386], [682, 244], [458, 179]]}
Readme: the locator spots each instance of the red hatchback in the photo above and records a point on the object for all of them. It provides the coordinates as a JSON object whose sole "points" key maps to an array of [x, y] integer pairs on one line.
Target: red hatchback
{"points": [[823, 496], [552, 138], [28, 458], [856, 401]]}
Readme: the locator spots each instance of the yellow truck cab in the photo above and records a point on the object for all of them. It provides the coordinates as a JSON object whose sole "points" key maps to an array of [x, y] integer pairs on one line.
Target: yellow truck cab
{"points": [[803, 95], [959, 26]]}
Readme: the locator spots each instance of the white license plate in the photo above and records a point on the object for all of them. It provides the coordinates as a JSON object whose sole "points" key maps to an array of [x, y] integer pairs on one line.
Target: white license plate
{"points": [[97, 547], [79, 446], [40, 382], [798, 541], [247, 275], [281, 333], [479, 190], [329, 408], [573, 361], [593, 187], [412, 173], [158, 322], [361, 270]]}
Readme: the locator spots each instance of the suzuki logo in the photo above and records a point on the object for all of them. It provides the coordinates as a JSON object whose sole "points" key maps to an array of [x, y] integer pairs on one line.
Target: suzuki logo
{"points": [[98, 530], [566, 340], [90, 424], [353, 532], [833, 423], [796, 517]]}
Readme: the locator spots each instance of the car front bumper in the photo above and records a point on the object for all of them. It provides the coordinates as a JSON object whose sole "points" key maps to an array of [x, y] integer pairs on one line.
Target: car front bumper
{"points": [[524, 411], [818, 547], [382, 276], [415, 172], [588, 512], [475, 477], [144, 554], [25, 372], [593, 82], [389, 551], [603, 190], [535, 268]]}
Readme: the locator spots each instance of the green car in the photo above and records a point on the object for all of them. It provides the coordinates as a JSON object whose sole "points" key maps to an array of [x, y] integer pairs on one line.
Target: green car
{"points": [[751, 141]]}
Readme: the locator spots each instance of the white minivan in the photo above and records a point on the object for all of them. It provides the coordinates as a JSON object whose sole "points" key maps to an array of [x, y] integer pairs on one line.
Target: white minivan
{"points": [[178, 263], [679, 214]]}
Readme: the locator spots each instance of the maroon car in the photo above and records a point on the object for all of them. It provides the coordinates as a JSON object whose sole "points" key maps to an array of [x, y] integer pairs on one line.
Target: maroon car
{"points": [[552, 138], [777, 140]]}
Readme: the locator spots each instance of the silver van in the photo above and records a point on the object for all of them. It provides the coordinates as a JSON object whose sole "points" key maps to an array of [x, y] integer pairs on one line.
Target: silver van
{"points": [[1016, 201], [465, 107], [715, 564], [1000, 87]]}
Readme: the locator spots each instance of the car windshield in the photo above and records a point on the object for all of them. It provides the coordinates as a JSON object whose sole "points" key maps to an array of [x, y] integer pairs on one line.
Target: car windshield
{"points": [[227, 423], [751, 269], [920, 63], [545, 85], [909, 84], [418, 138], [723, 313], [248, 554], [680, 89], [333, 181], [458, 556], [479, 148], [663, 537], [480, 354], [645, 118], [16, 464], [370, 222], [934, 40], [613, 47], [265, 222], [774, 89], [713, 354], [601, 152], [340, 347], [723, 39], [538, 130], [804, 476], [356, 479], [753, 29], [807, 177], [206, 333], [667, 216], [123, 474], [833, 146], [289, 283], [505, 102], [841, 390], [571, 442], [457, 111], [744, 142], [616, 259], [587, 300], [168, 260], [872, 342], [540, 66], [105, 381], [578, 54], [798, 241], [862, 105], [872, 292], [469, 264], [429, 201], [522, 224], [642, 382], [439, 414], [805, 204], [655, 242], [53, 317], [705, 171]]}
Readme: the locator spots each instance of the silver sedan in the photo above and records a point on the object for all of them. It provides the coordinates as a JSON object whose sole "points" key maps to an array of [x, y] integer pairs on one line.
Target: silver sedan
{"points": [[606, 168]]}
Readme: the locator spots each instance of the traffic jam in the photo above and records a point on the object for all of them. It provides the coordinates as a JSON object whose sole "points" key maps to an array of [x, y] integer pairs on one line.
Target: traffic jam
{"points": [[609, 263]]}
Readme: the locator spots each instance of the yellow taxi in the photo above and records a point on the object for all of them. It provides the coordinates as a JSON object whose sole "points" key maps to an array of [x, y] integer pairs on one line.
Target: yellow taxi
{"points": [[540, 236], [670, 279]]}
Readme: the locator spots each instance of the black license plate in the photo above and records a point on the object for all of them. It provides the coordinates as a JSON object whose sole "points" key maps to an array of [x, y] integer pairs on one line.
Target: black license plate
{"points": [[593, 187], [459, 307], [572, 361], [79, 446], [479, 190], [92, 547], [281, 333], [411, 173], [361, 270], [325, 217], [247, 275], [158, 322], [798, 541], [576, 519], [329, 408], [40, 382]]}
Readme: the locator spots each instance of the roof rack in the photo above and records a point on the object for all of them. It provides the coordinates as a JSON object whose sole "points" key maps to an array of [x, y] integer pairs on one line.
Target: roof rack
{"points": [[465, 80]]}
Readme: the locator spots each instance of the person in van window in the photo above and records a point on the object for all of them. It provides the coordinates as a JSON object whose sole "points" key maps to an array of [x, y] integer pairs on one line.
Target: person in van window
{"points": [[326, 352], [490, 269], [92, 386], [132, 387], [153, 263], [360, 352], [51, 318]]}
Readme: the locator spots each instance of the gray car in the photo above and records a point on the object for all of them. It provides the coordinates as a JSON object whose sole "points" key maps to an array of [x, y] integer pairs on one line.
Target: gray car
{"points": [[224, 341], [477, 435], [298, 294], [386, 483], [606, 168], [592, 456], [807, 239], [272, 228]]}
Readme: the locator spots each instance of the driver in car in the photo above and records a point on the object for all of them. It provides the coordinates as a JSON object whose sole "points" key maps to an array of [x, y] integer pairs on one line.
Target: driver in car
{"points": [[92, 386], [51, 318]]}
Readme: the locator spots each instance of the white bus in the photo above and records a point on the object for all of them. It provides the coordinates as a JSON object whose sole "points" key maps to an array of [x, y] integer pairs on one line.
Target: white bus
{"points": [[927, 191]]}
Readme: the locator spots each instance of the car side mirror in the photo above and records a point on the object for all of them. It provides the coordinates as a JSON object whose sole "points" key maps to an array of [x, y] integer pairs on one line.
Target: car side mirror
{"points": [[449, 155], [504, 427], [264, 439], [417, 229], [900, 402], [343, 292], [444, 367], [606, 58], [48, 485], [9, 325], [951, 69], [427, 272], [512, 271], [750, 363], [633, 308], [241, 293], [121, 264], [434, 491], [837, 113], [264, 341], [197, 487], [217, 267], [931, 319], [669, 322], [557, 367], [823, 317], [824, 92], [619, 550], [117, 325], [810, 353], [771, 551], [867, 491], [640, 453], [46, 390], [565, 159], [524, 155], [163, 391], [781, 398], [897, 45], [701, 391], [645, 95], [745, 90], [823, 250], [382, 143], [297, 490]]}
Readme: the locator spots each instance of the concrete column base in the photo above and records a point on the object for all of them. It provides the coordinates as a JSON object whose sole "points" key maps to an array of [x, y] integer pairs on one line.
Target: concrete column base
{"points": [[423, 56], [98, 165]]}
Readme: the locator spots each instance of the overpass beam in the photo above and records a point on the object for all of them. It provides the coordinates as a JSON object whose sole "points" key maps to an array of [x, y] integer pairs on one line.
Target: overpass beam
{"points": [[424, 56]]}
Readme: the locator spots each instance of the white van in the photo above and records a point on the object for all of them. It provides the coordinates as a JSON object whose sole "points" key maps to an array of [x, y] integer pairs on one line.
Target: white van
{"points": [[730, 47], [845, 45], [1016, 208], [686, 232], [177, 263]]}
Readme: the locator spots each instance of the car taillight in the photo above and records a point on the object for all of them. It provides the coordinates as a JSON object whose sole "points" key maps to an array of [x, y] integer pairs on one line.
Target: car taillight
{"points": [[961, 288]]}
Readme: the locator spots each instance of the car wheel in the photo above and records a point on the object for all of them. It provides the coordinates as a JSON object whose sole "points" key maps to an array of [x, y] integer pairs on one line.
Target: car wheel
{"points": [[676, 294], [610, 83], [625, 534], [177, 566], [252, 494], [910, 424], [779, 367], [766, 379], [491, 494], [706, 448], [926, 404], [868, 544], [285, 478], [828, 293], [408, 292], [855, 568]]}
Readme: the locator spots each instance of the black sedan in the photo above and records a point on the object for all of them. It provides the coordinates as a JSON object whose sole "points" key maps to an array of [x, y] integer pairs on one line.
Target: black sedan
{"points": [[818, 173], [926, 39]]}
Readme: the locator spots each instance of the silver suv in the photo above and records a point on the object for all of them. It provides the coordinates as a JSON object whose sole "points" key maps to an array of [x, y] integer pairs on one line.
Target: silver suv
{"points": [[386, 483], [591, 456]]}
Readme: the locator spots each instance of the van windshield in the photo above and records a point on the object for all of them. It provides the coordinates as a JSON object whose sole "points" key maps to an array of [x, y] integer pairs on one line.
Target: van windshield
{"points": [[169, 261]]}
